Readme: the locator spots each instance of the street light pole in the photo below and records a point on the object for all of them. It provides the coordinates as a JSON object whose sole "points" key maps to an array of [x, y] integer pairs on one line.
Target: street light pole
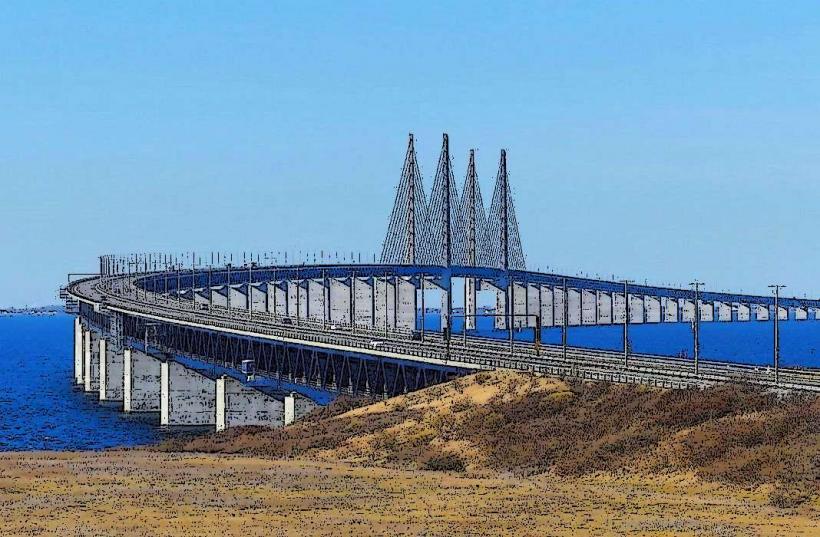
{"points": [[776, 288], [626, 321], [696, 324], [565, 323]]}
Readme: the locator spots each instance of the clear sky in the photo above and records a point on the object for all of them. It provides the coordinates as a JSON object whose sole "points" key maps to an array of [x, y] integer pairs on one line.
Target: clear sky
{"points": [[652, 140]]}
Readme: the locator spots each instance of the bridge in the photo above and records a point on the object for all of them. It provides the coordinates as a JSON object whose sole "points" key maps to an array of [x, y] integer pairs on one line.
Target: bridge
{"points": [[221, 344]]}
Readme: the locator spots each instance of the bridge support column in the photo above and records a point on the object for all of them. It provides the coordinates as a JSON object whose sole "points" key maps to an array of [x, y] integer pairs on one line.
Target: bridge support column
{"points": [[445, 300], [687, 308], [470, 303], [186, 396], [296, 406], [78, 351], [589, 307], [384, 304], [257, 299], [637, 312], [744, 312], [316, 300], [761, 312], [141, 382], [238, 299], [604, 308], [618, 308], [707, 311], [219, 297], [558, 298], [670, 310], [574, 307], [519, 305], [724, 311], [339, 294], [652, 309], [406, 308], [91, 367], [200, 297], [533, 304], [547, 309], [238, 405], [111, 371], [363, 298]]}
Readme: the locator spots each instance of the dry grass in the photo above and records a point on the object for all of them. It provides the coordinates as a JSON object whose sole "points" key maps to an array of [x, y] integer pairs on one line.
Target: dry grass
{"points": [[142, 493], [526, 425]]}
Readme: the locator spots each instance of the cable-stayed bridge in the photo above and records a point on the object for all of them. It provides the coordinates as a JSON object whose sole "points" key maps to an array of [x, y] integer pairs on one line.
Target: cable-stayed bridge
{"points": [[212, 343]]}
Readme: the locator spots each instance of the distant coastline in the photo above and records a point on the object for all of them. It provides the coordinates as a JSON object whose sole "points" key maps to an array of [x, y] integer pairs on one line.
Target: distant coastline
{"points": [[53, 309]]}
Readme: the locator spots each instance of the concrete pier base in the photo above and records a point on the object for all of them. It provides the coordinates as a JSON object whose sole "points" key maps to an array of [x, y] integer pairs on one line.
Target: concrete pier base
{"points": [[296, 406], [186, 396], [78, 351], [141, 382], [91, 361], [111, 371], [237, 405]]}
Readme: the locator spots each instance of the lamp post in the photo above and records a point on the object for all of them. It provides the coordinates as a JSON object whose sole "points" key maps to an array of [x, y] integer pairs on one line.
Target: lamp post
{"points": [[626, 321], [565, 323], [696, 324], [776, 289]]}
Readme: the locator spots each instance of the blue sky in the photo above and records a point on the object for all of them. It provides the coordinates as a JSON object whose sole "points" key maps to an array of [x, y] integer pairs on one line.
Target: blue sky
{"points": [[652, 140]]}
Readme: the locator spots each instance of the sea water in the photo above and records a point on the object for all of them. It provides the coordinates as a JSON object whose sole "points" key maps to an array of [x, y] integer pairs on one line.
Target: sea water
{"points": [[41, 408]]}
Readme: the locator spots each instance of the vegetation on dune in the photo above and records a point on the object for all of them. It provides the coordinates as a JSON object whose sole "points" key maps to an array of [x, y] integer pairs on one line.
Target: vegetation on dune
{"points": [[524, 424]]}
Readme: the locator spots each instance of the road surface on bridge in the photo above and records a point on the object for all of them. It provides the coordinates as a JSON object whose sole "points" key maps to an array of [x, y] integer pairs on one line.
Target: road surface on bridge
{"points": [[471, 352]]}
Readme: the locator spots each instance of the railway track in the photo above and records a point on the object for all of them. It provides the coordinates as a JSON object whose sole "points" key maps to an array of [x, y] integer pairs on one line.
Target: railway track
{"points": [[470, 352]]}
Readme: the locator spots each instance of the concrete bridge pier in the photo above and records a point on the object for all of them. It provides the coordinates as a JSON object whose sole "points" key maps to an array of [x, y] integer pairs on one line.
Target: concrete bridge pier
{"points": [[671, 310], [363, 303], [519, 305], [111, 370], [237, 405], [141, 381], [78, 351], [724, 311], [558, 309], [604, 308], [296, 406], [237, 298], [547, 309], [470, 303], [500, 320], [339, 295], [219, 297], [589, 307], [574, 311], [384, 303], [187, 397], [406, 304], [707, 311], [637, 309], [316, 300], [652, 309], [91, 362]]}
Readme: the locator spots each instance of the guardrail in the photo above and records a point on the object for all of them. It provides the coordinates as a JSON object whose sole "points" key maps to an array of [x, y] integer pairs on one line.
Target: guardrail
{"points": [[482, 352]]}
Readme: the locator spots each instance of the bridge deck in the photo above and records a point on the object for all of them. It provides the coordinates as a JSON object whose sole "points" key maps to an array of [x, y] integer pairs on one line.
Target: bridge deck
{"points": [[473, 353]]}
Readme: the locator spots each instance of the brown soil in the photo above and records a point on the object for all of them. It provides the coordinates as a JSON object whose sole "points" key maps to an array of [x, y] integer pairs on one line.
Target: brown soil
{"points": [[523, 425]]}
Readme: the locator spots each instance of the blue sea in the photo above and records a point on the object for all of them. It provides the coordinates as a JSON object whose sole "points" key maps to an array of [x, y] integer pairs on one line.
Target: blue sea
{"points": [[40, 408], [748, 342]]}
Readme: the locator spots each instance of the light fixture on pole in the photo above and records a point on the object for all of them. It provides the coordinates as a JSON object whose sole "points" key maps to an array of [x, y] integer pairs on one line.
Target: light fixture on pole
{"points": [[696, 324], [776, 290], [626, 321]]}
